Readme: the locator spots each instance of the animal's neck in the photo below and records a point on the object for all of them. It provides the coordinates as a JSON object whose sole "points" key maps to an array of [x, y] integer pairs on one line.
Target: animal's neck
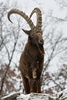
{"points": [[32, 47]]}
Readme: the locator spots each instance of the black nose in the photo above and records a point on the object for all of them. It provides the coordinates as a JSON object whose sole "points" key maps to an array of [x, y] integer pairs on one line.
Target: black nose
{"points": [[41, 41]]}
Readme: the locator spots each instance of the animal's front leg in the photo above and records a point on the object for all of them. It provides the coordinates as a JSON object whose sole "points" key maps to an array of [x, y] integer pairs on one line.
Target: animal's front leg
{"points": [[33, 86], [39, 86], [26, 84]]}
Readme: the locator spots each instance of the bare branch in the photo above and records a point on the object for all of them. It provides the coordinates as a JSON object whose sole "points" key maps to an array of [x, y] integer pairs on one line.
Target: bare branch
{"points": [[10, 59]]}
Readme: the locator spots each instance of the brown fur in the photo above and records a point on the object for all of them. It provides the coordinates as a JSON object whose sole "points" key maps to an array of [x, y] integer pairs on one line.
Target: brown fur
{"points": [[31, 59]]}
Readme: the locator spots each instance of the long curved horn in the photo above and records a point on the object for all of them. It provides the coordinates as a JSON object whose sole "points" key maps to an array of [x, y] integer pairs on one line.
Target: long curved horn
{"points": [[21, 13], [39, 17]]}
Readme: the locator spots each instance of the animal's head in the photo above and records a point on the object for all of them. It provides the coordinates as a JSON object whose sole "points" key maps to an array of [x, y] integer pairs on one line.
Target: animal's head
{"points": [[35, 34]]}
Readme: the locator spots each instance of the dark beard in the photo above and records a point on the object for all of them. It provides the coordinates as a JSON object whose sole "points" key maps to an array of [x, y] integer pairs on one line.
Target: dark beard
{"points": [[41, 49]]}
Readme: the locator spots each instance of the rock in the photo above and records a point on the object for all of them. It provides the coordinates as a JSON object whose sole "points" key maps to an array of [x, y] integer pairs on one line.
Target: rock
{"points": [[32, 96], [11, 96], [36, 96]]}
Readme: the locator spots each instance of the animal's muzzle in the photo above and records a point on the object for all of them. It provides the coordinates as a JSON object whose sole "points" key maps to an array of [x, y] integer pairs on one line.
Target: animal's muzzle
{"points": [[41, 42]]}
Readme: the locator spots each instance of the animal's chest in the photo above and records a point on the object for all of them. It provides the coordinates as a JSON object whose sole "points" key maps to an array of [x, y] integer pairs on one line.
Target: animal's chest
{"points": [[33, 64], [32, 57]]}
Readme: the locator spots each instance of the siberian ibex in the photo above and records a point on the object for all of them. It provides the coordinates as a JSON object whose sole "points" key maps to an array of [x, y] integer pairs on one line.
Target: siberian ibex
{"points": [[32, 58]]}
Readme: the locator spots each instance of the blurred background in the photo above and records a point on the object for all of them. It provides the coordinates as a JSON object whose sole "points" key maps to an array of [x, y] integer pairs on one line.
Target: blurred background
{"points": [[13, 40]]}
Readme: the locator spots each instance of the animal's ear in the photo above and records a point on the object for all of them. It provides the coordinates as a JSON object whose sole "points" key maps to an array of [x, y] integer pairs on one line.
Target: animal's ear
{"points": [[27, 31]]}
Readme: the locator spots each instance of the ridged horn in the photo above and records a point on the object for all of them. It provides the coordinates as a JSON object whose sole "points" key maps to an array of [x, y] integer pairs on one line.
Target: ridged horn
{"points": [[39, 17], [21, 13]]}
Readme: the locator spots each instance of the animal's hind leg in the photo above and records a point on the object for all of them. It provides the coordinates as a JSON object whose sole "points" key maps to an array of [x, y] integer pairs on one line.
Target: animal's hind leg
{"points": [[26, 85]]}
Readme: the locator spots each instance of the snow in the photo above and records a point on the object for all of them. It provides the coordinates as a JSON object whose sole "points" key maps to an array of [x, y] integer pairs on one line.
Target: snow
{"points": [[63, 92], [11, 94], [41, 96], [46, 6], [26, 97], [33, 96]]}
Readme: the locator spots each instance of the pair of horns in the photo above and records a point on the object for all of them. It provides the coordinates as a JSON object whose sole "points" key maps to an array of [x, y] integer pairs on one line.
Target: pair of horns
{"points": [[28, 19]]}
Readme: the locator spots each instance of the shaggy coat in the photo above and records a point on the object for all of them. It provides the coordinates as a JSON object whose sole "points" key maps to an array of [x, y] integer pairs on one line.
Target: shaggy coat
{"points": [[31, 65], [32, 58]]}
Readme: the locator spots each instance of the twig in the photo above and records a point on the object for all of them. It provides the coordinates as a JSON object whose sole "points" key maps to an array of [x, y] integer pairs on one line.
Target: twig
{"points": [[3, 78]]}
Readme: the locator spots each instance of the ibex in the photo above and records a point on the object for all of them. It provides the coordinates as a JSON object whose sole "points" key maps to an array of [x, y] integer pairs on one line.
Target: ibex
{"points": [[32, 58]]}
